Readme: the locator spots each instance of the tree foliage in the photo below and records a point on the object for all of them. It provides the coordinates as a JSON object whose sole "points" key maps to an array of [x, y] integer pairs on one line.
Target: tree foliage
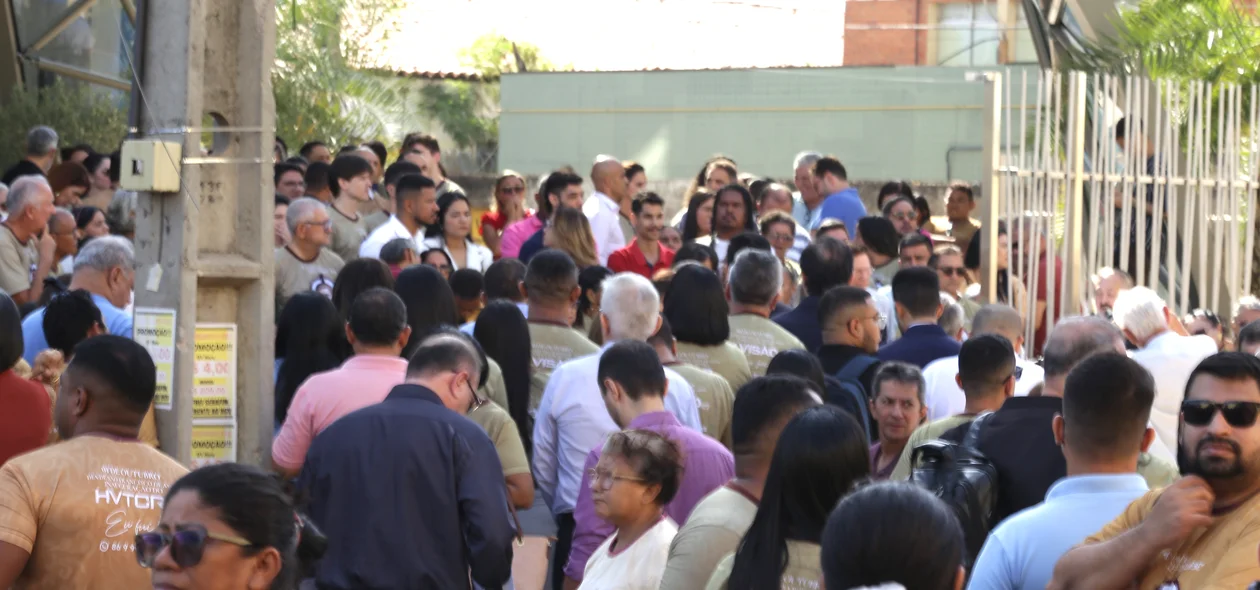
{"points": [[80, 113]]}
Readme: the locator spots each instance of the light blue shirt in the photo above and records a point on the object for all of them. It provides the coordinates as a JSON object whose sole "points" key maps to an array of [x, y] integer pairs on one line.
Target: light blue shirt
{"points": [[117, 321], [1022, 551], [846, 206], [572, 420], [804, 216], [468, 327]]}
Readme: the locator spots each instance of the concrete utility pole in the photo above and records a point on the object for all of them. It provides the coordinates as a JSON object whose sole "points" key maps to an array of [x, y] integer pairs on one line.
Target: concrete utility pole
{"points": [[207, 252]]}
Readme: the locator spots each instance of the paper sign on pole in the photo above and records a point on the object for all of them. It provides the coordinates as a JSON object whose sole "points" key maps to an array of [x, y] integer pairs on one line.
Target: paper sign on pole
{"points": [[214, 372], [155, 331], [213, 443]]}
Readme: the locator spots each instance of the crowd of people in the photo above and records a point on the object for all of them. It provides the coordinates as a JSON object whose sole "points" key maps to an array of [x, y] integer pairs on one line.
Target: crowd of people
{"points": [[772, 389]]}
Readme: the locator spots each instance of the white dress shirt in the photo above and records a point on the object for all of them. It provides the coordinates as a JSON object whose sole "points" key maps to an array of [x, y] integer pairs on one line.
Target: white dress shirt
{"points": [[572, 420], [604, 214], [719, 246], [944, 398], [1170, 358], [479, 257], [884, 304], [392, 229]]}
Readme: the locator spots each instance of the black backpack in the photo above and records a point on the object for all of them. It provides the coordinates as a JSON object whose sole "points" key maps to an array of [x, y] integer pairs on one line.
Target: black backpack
{"points": [[964, 478]]}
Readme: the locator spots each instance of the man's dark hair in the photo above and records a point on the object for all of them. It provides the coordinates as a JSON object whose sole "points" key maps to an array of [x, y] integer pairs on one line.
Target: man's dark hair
{"points": [[377, 148], [984, 364], [447, 350], [399, 169], [345, 167], [766, 404], [830, 165], [697, 253], [750, 209], [551, 277], [395, 250], [773, 217], [555, 185], [68, 151], [1076, 338], [68, 318], [837, 300], [317, 174], [280, 200], [467, 283], [410, 185], [918, 289], [915, 239], [503, 280], [1106, 404], [755, 277], [284, 168], [298, 161], [1227, 366], [664, 335], [963, 187], [826, 263], [377, 317], [121, 366], [1249, 334], [747, 240], [880, 235], [635, 367], [428, 141], [901, 373], [309, 147], [646, 199]]}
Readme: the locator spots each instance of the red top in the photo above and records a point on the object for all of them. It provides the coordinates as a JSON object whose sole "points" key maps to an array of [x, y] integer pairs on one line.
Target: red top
{"points": [[27, 416], [497, 219], [631, 259]]}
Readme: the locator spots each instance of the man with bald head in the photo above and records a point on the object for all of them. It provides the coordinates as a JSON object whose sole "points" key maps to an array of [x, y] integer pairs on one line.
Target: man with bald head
{"points": [[1018, 439], [26, 247], [943, 395], [62, 228], [604, 207]]}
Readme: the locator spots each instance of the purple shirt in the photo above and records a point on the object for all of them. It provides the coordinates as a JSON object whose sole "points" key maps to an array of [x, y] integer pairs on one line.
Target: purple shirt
{"points": [[876, 474], [707, 465]]}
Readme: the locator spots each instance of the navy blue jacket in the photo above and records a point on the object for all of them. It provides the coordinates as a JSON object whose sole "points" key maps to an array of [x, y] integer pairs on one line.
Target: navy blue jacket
{"points": [[920, 345], [803, 323], [410, 495]]}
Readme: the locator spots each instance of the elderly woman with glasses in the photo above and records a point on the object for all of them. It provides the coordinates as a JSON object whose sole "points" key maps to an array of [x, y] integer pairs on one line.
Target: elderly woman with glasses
{"points": [[637, 475]]}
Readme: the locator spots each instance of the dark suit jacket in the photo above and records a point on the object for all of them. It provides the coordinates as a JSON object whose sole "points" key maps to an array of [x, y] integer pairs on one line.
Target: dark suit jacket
{"points": [[920, 345], [803, 323]]}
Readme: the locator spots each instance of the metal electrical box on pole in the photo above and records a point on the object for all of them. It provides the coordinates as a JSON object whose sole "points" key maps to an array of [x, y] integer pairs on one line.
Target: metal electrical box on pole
{"points": [[204, 252]]}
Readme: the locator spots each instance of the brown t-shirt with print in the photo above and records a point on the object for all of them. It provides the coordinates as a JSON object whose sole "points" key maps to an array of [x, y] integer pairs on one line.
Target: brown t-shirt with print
{"points": [[715, 398], [550, 345], [1219, 557], [725, 359], [294, 275], [761, 339], [76, 507], [347, 234], [16, 259]]}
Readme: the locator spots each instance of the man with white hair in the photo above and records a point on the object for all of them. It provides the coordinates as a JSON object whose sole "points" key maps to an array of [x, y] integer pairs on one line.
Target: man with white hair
{"points": [[806, 202], [41, 152], [1170, 357], [27, 249], [1247, 311], [572, 418], [306, 263], [105, 268]]}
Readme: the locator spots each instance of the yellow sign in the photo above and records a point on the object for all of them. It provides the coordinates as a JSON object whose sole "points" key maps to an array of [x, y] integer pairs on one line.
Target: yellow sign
{"points": [[155, 331], [213, 443], [214, 372]]}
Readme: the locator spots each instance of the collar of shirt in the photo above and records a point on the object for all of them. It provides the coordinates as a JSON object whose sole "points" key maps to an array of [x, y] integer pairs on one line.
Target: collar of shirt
{"points": [[607, 202], [655, 421], [414, 392], [398, 229], [375, 362], [917, 324], [640, 259], [105, 304], [1096, 484]]}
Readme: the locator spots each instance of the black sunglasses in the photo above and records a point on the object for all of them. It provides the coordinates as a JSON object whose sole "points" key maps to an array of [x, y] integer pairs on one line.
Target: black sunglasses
{"points": [[187, 544], [1237, 414]]}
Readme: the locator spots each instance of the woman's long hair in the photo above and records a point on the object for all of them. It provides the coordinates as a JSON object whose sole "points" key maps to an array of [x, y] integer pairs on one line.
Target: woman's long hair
{"points": [[571, 232], [358, 276], [438, 229], [691, 228], [504, 335], [311, 338], [590, 279], [429, 300], [821, 455], [696, 306]]}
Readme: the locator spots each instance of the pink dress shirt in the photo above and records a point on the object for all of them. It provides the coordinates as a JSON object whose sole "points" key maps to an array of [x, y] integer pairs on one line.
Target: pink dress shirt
{"points": [[516, 234], [359, 382]]}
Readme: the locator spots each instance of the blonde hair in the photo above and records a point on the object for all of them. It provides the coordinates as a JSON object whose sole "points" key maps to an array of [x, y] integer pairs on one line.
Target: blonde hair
{"points": [[498, 183], [571, 232]]}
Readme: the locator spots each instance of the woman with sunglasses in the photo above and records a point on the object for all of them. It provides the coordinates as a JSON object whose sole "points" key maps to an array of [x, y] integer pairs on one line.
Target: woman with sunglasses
{"points": [[509, 208], [229, 527], [637, 475]]}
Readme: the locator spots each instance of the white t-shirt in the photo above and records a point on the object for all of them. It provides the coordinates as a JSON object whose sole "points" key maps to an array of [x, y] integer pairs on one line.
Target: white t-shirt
{"points": [[637, 567]]}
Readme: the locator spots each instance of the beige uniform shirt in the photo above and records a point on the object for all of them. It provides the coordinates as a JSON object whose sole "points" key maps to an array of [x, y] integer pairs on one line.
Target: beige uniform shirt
{"points": [[715, 398], [803, 572], [348, 234], [761, 339], [16, 260], [725, 359], [712, 531], [294, 275], [550, 345], [502, 430]]}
